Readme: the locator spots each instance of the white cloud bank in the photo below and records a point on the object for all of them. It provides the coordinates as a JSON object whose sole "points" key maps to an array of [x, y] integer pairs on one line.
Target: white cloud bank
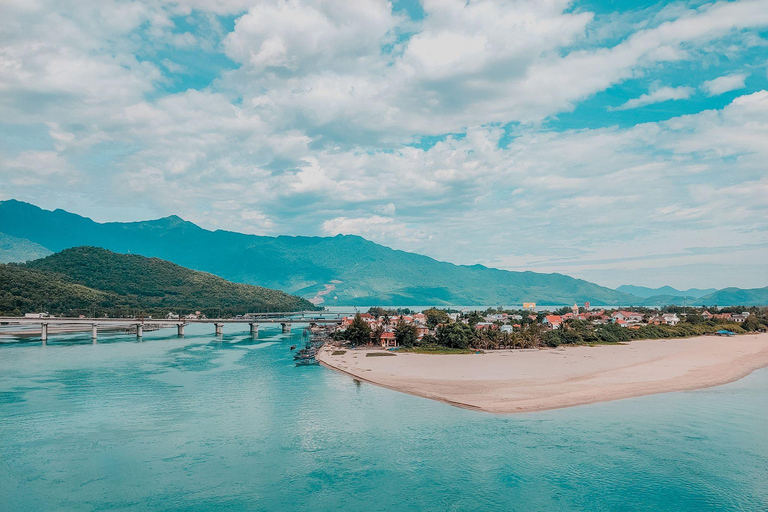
{"points": [[311, 130]]}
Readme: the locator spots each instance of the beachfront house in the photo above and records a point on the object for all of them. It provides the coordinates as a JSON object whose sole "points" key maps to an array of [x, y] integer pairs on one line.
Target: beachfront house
{"points": [[388, 340], [507, 328], [553, 321], [627, 316], [740, 318]]}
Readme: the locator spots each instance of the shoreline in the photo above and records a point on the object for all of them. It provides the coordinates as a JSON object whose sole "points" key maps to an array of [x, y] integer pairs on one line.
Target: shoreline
{"points": [[512, 381]]}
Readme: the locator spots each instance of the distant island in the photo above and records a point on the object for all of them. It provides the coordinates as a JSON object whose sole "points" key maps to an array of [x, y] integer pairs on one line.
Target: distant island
{"points": [[96, 282], [331, 271]]}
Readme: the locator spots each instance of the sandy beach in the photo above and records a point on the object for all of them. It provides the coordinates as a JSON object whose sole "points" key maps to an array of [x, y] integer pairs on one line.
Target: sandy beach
{"points": [[534, 380]]}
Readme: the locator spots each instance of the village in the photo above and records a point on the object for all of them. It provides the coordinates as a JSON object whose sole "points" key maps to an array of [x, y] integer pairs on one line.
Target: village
{"points": [[383, 324]]}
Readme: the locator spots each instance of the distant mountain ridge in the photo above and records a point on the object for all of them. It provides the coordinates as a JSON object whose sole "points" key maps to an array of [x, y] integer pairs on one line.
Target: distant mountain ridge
{"points": [[14, 249], [645, 293], [350, 269], [362, 272]]}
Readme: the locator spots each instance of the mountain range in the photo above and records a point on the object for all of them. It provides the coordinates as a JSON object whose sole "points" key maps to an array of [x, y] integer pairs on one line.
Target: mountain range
{"points": [[340, 270], [645, 293]]}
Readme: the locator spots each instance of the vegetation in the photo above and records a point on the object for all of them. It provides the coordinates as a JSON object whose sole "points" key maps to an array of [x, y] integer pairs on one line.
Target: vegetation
{"points": [[406, 334], [92, 281], [357, 333]]}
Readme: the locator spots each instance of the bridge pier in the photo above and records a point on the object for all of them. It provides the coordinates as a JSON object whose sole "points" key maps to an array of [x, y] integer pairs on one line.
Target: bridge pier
{"points": [[180, 330], [254, 330], [44, 333], [219, 329], [139, 330], [94, 332], [286, 327]]}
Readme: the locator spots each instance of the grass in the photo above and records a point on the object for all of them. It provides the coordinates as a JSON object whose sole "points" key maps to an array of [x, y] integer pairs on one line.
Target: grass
{"points": [[379, 354], [438, 350], [338, 352]]}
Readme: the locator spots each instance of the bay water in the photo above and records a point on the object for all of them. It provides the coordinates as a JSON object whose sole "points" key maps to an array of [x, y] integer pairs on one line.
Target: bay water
{"points": [[202, 423]]}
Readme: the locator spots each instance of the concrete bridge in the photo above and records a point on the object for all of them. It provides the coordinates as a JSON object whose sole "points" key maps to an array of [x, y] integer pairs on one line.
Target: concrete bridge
{"points": [[285, 319]]}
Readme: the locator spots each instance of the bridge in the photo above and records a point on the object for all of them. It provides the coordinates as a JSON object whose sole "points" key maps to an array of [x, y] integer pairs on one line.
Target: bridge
{"points": [[285, 319]]}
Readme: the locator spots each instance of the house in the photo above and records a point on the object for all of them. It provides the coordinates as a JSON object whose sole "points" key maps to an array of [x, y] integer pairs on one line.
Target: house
{"points": [[482, 326], [740, 318], [171, 316], [627, 316], [388, 340], [420, 318], [670, 319], [722, 316], [666, 318], [507, 328], [621, 323], [553, 321], [421, 331], [707, 315]]}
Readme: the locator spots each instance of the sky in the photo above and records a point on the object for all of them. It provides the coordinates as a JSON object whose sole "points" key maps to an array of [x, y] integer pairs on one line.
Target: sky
{"points": [[623, 142]]}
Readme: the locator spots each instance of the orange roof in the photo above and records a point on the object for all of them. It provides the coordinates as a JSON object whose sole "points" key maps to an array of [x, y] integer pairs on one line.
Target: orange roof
{"points": [[554, 319]]}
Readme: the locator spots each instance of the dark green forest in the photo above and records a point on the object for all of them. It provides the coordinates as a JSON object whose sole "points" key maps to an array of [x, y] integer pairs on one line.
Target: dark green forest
{"points": [[93, 281]]}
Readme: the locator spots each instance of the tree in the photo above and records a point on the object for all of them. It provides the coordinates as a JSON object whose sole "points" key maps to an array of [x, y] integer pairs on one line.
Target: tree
{"points": [[405, 334], [455, 335], [358, 332], [435, 317]]}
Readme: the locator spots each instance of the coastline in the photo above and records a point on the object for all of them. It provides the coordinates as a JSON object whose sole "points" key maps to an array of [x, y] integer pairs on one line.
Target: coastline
{"points": [[527, 381]]}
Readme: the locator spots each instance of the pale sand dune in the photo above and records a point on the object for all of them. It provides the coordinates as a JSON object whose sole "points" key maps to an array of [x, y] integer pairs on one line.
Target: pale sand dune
{"points": [[523, 381]]}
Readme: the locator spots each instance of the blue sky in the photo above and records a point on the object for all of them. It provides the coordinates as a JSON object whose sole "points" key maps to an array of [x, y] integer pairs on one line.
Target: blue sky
{"points": [[621, 142]]}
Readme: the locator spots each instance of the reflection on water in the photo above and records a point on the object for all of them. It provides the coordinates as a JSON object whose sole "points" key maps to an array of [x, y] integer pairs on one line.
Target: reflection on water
{"points": [[229, 423]]}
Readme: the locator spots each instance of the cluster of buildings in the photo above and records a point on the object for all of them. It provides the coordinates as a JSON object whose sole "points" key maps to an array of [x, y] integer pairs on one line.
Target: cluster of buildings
{"points": [[633, 319], [505, 322], [385, 326]]}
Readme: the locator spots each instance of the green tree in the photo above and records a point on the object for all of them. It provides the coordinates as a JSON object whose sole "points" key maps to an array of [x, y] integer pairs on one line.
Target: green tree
{"points": [[435, 317], [358, 332], [405, 334], [455, 335]]}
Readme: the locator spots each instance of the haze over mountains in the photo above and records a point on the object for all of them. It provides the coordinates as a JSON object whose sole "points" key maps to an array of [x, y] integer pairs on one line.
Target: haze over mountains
{"points": [[340, 270]]}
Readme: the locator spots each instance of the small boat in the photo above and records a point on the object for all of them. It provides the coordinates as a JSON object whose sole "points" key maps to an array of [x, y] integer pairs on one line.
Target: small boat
{"points": [[293, 347], [307, 362]]}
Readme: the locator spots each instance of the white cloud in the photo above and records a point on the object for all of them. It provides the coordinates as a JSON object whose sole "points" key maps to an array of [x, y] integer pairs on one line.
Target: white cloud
{"points": [[657, 96], [311, 132], [723, 84]]}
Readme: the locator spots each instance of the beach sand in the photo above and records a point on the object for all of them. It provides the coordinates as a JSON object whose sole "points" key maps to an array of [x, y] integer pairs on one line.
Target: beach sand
{"points": [[534, 380]]}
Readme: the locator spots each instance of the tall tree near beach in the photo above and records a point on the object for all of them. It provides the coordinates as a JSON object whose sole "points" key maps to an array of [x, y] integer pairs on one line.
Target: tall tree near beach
{"points": [[359, 332]]}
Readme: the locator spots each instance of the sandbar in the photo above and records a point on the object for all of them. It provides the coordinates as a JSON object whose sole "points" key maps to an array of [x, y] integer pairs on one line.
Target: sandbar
{"points": [[514, 381]]}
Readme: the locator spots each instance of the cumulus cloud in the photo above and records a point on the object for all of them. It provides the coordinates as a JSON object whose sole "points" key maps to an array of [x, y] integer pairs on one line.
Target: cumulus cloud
{"points": [[331, 117], [723, 84]]}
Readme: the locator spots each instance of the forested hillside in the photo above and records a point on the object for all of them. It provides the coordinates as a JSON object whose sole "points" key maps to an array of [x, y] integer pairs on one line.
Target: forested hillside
{"points": [[85, 280]]}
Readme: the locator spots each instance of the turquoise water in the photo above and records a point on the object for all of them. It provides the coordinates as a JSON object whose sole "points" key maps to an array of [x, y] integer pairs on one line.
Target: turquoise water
{"points": [[230, 424]]}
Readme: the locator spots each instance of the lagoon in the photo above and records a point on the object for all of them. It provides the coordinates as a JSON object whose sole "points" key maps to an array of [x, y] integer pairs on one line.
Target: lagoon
{"points": [[206, 423]]}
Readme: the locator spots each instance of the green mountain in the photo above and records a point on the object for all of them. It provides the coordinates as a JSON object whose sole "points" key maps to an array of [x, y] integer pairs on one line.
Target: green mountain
{"points": [[737, 297], [19, 250], [83, 279], [667, 291], [356, 271]]}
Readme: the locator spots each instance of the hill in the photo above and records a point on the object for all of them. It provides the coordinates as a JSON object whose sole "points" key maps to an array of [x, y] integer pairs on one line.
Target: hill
{"points": [[667, 291], [83, 279], [737, 296], [359, 272], [13, 249]]}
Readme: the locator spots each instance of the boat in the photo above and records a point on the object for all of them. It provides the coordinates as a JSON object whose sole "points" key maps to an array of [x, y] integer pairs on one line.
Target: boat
{"points": [[293, 347], [307, 362]]}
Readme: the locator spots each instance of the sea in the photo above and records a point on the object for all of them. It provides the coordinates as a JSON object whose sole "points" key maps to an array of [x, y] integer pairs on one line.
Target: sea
{"points": [[206, 423]]}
